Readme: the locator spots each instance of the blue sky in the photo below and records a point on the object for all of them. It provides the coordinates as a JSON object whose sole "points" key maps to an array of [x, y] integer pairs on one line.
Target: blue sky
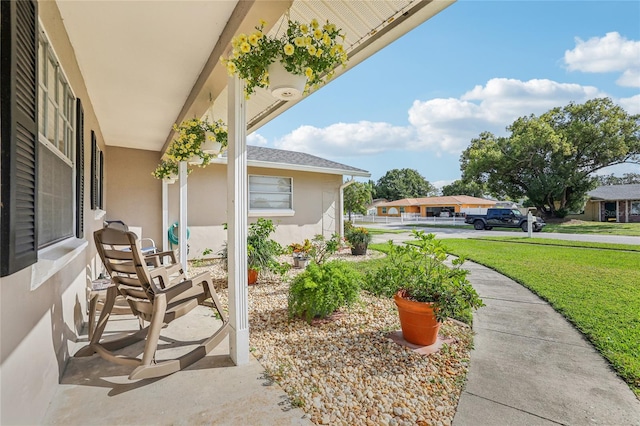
{"points": [[476, 66]]}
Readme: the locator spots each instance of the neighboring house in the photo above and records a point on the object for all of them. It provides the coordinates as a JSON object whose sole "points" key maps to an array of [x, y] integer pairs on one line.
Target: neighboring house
{"points": [[372, 209], [89, 93], [612, 203], [298, 191], [435, 206]]}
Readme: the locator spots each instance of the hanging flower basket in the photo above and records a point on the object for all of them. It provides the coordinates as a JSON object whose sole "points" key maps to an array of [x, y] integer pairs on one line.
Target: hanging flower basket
{"points": [[285, 85], [192, 138], [308, 51], [167, 169], [169, 180]]}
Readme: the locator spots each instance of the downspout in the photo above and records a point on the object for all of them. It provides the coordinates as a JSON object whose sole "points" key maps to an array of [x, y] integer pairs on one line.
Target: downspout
{"points": [[341, 217]]}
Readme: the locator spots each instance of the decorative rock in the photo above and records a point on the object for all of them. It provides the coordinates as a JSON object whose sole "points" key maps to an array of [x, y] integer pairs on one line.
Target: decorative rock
{"points": [[347, 371]]}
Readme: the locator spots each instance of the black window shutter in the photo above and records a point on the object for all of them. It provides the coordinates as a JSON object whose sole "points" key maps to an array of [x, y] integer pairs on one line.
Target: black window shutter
{"points": [[79, 170], [94, 171], [18, 135], [101, 188]]}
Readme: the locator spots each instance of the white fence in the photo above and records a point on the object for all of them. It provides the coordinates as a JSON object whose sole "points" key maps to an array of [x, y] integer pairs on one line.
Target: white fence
{"points": [[408, 218]]}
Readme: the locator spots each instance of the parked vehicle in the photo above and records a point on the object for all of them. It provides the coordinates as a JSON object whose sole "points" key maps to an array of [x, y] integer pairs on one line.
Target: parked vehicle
{"points": [[504, 218]]}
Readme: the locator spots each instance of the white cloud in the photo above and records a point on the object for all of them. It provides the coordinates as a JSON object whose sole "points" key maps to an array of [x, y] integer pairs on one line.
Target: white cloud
{"points": [[631, 105], [440, 183], [257, 139], [347, 139], [449, 124], [611, 53], [445, 125]]}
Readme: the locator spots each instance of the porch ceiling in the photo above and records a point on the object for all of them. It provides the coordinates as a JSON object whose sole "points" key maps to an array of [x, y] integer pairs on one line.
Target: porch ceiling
{"points": [[149, 64]]}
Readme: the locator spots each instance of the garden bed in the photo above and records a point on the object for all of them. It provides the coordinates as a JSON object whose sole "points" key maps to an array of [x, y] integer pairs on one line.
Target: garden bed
{"points": [[345, 370]]}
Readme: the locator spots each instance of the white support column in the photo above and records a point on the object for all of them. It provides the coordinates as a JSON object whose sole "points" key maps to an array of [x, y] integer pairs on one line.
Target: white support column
{"points": [[237, 211], [165, 215], [182, 236]]}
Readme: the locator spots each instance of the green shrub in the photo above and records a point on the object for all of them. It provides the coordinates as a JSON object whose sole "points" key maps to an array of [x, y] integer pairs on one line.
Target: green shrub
{"points": [[322, 289], [358, 235], [322, 249], [419, 271]]}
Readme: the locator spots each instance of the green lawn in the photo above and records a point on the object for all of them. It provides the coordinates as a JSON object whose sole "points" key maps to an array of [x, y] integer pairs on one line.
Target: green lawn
{"points": [[597, 289], [632, 229]]}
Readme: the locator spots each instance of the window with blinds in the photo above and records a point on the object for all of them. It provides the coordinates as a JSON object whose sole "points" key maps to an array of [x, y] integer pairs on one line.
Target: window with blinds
{"points": [[270, 193]]}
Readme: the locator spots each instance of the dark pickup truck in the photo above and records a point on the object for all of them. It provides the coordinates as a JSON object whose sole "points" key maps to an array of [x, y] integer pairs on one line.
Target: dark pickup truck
{"points": [[504, 218]]}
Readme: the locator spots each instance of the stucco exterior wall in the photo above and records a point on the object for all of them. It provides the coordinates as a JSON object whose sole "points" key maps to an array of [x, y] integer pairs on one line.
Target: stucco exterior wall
{"points": [[315, 202], [133, 195], [42, 308]]}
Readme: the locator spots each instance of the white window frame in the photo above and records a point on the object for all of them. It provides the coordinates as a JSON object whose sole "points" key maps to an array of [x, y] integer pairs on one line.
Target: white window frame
{"points": [[54, 257], [266, 212]]}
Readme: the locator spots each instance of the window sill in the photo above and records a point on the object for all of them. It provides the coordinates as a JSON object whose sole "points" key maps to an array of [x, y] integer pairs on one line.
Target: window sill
{"points": [[270, 213], [52, 259], [98, 214]]}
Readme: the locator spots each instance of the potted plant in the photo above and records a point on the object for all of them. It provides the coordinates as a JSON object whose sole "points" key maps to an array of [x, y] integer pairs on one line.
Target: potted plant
{"points": [[301, 253], [308, 51], [358, 239], [191, 142], [167, 170], [425, 289], [262, 251]]}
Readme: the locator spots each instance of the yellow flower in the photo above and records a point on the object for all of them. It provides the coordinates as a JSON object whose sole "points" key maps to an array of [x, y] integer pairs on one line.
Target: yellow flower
{"points": [[263, 22], [314, 23], [289, 49], [253, 40], [231, 68], [319, 52], [245, 47], [258, 34], [299, 41], [304, 28], [317, 34], [308, 72], [242, 38], [216, 130], [312, 50], [307, 41], [339, 48], [326, 39]]}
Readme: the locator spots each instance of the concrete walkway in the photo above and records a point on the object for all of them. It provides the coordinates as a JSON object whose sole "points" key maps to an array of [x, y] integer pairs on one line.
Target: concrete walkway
{"points": [[530, 366]]}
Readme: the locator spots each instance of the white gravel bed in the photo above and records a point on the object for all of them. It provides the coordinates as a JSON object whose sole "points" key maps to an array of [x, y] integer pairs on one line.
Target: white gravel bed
{"points": [[344, 370]]}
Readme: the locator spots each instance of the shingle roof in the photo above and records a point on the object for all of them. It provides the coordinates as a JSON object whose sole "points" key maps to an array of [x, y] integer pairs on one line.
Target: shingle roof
{"points": [[448, 200], [299, 161], [616, 192]]}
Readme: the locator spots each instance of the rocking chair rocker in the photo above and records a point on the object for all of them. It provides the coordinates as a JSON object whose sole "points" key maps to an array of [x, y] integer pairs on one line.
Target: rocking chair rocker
{"points": [[157, 295]]}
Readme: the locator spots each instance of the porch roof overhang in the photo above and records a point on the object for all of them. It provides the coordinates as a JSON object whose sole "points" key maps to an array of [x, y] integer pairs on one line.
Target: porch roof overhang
{"points": [[149, 64]]}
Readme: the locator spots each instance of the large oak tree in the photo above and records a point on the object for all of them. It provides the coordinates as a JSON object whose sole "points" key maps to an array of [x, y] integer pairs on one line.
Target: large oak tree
{"points": [[397, 184], [551, 159]]}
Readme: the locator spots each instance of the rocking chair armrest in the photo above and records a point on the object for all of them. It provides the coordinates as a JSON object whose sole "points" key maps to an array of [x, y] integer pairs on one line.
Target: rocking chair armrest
{"points": [[160, 272], [157, 258], [177, 289]]}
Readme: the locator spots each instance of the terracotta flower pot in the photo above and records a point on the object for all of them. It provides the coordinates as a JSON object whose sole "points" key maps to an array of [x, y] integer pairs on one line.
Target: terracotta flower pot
{"points": [[252, 276], [418, 321]]}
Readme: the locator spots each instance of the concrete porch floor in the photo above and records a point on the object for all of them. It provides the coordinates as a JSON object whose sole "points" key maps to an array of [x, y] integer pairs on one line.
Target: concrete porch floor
{"points": [[211, 391]]}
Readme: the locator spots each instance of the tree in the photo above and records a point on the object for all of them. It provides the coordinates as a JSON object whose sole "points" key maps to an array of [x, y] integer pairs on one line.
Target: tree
{"points": [[460, 187], [356, 198], [404, 183], [550, 159], [627, 178]]}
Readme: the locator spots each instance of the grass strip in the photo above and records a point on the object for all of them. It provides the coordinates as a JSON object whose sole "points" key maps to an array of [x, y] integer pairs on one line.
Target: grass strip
{"points": [[564, 243], [598, 291]]}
